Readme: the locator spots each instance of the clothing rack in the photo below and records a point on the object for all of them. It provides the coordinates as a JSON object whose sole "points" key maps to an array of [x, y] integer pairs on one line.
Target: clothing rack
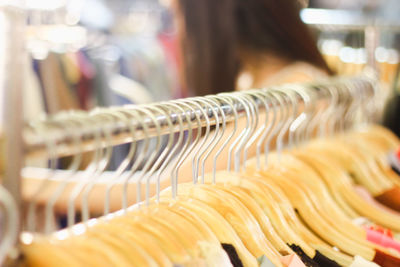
{"points": [[330, 20], [344, 20], [40, 135], [48, 138], [90, 127], [35, 144]]}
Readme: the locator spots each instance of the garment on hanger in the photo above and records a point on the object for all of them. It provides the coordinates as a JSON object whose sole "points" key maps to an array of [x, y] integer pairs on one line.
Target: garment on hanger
{"points": [[233, 256], [292, 261], [321, 260], [265, 262], [390, 198], [367, 196], [289, 207], [361, 262], [382, 239], [304, 257], [386, 260]]}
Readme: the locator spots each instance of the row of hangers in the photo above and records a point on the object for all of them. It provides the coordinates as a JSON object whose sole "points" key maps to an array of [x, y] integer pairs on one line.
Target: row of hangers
{"points": [[301, 196]]}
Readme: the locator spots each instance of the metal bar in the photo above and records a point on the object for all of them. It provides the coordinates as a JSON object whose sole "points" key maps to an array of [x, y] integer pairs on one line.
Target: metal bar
{"points": [[35, 144], [11, 88], [371, 43], [349, 20], [352, 28]]}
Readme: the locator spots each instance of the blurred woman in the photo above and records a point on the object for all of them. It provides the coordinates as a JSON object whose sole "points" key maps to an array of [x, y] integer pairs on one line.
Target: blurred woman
{"points": [[236, 44], [231, 45]]}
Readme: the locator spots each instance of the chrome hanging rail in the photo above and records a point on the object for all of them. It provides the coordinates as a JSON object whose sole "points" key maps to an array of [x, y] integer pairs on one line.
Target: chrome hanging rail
{"points": [[35, 144]]}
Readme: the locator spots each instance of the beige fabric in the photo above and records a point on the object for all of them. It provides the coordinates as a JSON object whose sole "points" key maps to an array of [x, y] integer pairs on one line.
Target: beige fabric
{"points": [[296, 72], [361, 262]]}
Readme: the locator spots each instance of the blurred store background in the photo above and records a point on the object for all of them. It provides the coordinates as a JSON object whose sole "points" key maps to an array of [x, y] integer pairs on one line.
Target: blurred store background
{"points": [[103, 53], [92, 53]]}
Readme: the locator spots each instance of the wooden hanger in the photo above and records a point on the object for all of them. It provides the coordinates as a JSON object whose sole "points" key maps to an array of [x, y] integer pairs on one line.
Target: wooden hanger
{"points": [[232, 182], [142, 238], [386, 136], [218, 224], [342, 222], [56, 255], [108, 244], [374, 148], [369, 155], [259, 215], [165, 239], [291, 217], [307, 210], [206, 232], [310, 215], [237, 215], [351, 163], [318, 189], [339, 182]]}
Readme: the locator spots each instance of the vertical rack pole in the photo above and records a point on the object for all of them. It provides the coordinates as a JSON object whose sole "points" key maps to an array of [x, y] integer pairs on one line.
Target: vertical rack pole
{"points": [[371, 37], [12, 55]]}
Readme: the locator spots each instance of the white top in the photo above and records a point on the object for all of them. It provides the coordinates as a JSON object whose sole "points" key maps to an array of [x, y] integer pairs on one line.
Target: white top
{"points": [[361, 262]]}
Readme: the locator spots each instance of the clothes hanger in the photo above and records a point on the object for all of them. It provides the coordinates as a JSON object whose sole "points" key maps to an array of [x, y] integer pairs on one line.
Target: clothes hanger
{"points": [[72, 125], [150, 224], [377, 146], [350, 194], [132, 238], [378, 159], [210, 237], [322, 168], [210, 195], [307, 234], [32, 205], [275, 127], [141, 256], [245, 198], [122, 169], [220, 227], [118, 250], [366, 173], [316, 117], [289, 215], [11, 224], [176, 220], [307, 211], [169, 243], [84, 244], [33, 254], [224, 182], [155, 252], [202, 190], [140, 160], [345, 187], [295, 192], [318, 187], [278, 216], [145, 167], [385, 135], [323, 198], [269, 231], [99, 118], [100, 160], [31, 246], [139, 214], [334, 210]]}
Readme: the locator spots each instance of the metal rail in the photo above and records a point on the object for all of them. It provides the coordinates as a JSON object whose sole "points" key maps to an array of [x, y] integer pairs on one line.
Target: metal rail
{"points": [[35, 143]]}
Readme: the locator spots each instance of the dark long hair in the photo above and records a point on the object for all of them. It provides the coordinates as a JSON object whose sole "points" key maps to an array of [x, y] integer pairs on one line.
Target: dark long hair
{"points": [[214, 33]]}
